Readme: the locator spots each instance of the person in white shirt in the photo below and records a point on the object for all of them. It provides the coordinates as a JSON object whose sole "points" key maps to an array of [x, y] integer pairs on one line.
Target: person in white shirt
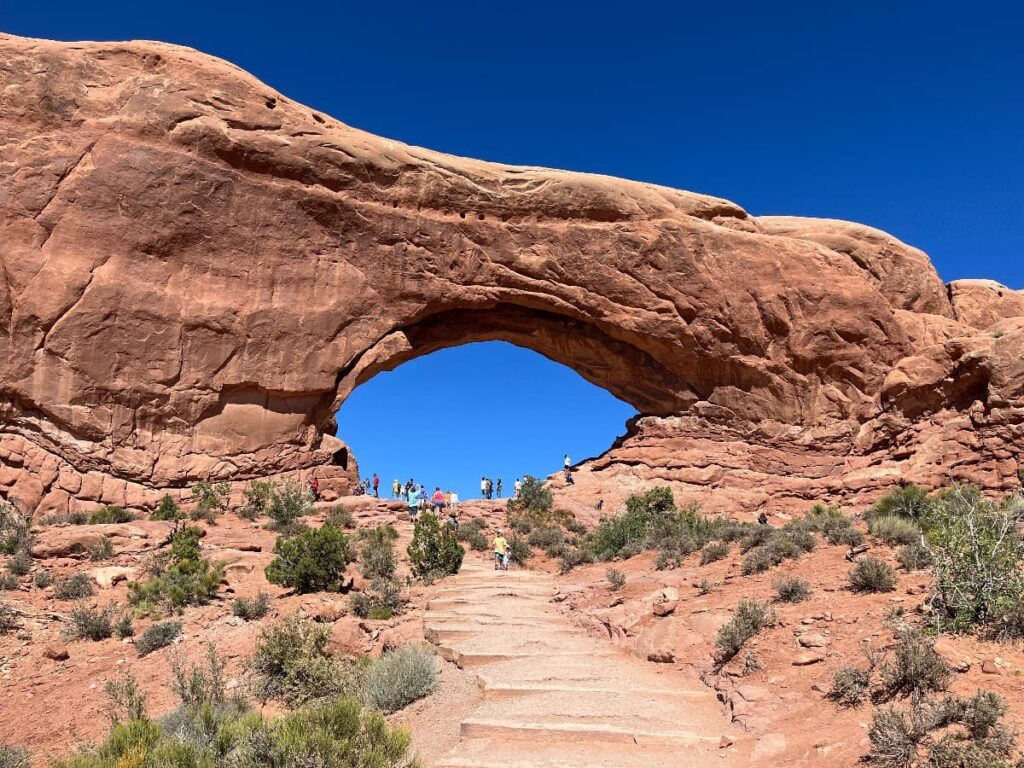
{"points": [[455, 501]]}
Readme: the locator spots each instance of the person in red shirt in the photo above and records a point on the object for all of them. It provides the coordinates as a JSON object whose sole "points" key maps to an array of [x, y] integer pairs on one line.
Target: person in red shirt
{"points": [[438, 500], [376, 485]]}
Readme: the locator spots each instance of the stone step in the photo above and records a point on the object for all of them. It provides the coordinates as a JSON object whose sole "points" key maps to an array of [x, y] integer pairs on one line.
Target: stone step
{"points": [[567, 732], [493, 690], [471, 659]]}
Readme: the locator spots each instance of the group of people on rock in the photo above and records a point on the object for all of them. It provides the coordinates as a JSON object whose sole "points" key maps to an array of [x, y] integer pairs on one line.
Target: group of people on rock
{"points": [[368, 486]]}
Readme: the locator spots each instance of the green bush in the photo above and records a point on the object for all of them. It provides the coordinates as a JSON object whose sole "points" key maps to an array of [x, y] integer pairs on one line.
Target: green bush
{"points": [[210, 500], [909, 502], [253, 608], [978, 557], [545, 537], [915, 557], [124, 627], [101, 550], [705, 587], [845, 537], [435, 548], [20, 563], [851, 685], [85, 623], [894, 530], [377, 554], [8, 619], [291, 664], [626, 534], [14, 757], [288, 506], [181, 576], [474, 537], [534, 497], [573, 557], [748, 620], [616, 579], [789, 589], [167, 509], [42, 578], [915, 668], [872, 575], [157, 636], [256, 499], [75, 587], [8, 581], [713, 552], [110, 514], [519, 551], [209, 729], [15, 529], [399, 678], [313, 561], [341, 516], [64, 518], [767, 547]]}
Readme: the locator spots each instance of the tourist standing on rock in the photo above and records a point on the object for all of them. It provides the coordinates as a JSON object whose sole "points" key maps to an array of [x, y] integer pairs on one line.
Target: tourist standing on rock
{"points": [[483, 487], [396, 489], [499, 487], [455, 502], [376, 485], [448, 499], [409, 487], [438, 500], [518, 487], [314, 489], [500, 551], [414, 502], [566, 464]]}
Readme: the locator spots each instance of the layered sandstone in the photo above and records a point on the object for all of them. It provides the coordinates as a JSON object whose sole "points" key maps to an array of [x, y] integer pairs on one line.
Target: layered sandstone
{"points": [[197, 271]]}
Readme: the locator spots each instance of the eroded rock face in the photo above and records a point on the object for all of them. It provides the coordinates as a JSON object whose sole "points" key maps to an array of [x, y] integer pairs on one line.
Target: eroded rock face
{"points": [[197, 271]]}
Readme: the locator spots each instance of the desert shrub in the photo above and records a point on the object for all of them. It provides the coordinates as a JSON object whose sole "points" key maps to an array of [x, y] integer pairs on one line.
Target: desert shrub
{"points": [[519, 551], [678, 533], [749, 619], [894, 530], [545, 537], [211, 729], [705, 587], [15, 529], [909, 502], [252, 608], [626, 534], [291, 664], [851, 685], [399, 678], [713, 552], [573, 557], [288, 506], [101, 550], [20, 563], [14, 757], [313, 561], [8, 581], [872, 575], [124, 627], [86, 623], [766, 547], [789, 589], [157, 636], [472, 533], [256, 499], [42, 578], [978, 556], [377, 555], [574, 526], [534, 497], [914, 557], [8, 619], [435, 548], [74, 587], [616, 579], [380, 601], [181, 576], [944, 733], [915, 667], [844, 537], [341, 516], [64, 518], [110, 514], [167, 509], [210, 500]]}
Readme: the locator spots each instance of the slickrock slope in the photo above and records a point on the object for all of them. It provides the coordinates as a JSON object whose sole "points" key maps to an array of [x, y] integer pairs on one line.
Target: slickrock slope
{"points": [[195, 271]]}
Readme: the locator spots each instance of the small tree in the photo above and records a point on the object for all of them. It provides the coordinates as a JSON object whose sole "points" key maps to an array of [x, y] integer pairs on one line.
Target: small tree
{"points": [[288, 505], [210, 499], [313, 561], [257, 499], [435, 549], [168, 509]]}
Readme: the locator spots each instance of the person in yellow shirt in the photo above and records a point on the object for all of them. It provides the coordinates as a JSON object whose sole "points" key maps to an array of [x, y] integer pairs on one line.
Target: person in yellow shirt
{"points": [[500, 551]]}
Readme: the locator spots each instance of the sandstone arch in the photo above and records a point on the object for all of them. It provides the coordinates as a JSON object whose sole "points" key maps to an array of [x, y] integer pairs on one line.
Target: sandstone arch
{"points": [[196, 271]]}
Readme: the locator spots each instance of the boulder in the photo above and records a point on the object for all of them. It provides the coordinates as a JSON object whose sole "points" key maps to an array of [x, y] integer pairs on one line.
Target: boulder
{"points": [[111, 575]]}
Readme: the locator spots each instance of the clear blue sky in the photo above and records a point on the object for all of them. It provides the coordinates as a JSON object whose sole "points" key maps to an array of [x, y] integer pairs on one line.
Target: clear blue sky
{"points": [[905, 116]]}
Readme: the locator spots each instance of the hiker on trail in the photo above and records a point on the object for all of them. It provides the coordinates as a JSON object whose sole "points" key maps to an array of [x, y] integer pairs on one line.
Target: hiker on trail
{"points": [[600, 505], [366, 486], [454, 502], [762, 519], [396, 489], [518, 487], [490, 488], [567, 464], [376, 485], [438, 500], [448, 499], [568, 477], [483, 487], [499, 487], [423, 498], [414, 503], [314, 489], [500, 551]]}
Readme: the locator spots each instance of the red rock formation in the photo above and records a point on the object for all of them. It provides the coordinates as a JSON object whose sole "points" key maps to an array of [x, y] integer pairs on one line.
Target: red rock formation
{"points": [[197, 271]]}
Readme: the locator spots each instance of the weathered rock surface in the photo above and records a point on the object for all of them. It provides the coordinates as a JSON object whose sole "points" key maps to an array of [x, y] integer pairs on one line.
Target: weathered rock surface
{"points": [[197, 271]]}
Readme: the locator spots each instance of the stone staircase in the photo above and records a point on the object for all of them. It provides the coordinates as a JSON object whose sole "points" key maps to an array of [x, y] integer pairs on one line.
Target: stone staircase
{"points": [[555, 697]]}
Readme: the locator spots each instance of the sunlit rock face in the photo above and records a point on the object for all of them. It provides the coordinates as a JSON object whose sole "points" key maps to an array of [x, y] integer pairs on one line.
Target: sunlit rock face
{"points": [[196, 271]]}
